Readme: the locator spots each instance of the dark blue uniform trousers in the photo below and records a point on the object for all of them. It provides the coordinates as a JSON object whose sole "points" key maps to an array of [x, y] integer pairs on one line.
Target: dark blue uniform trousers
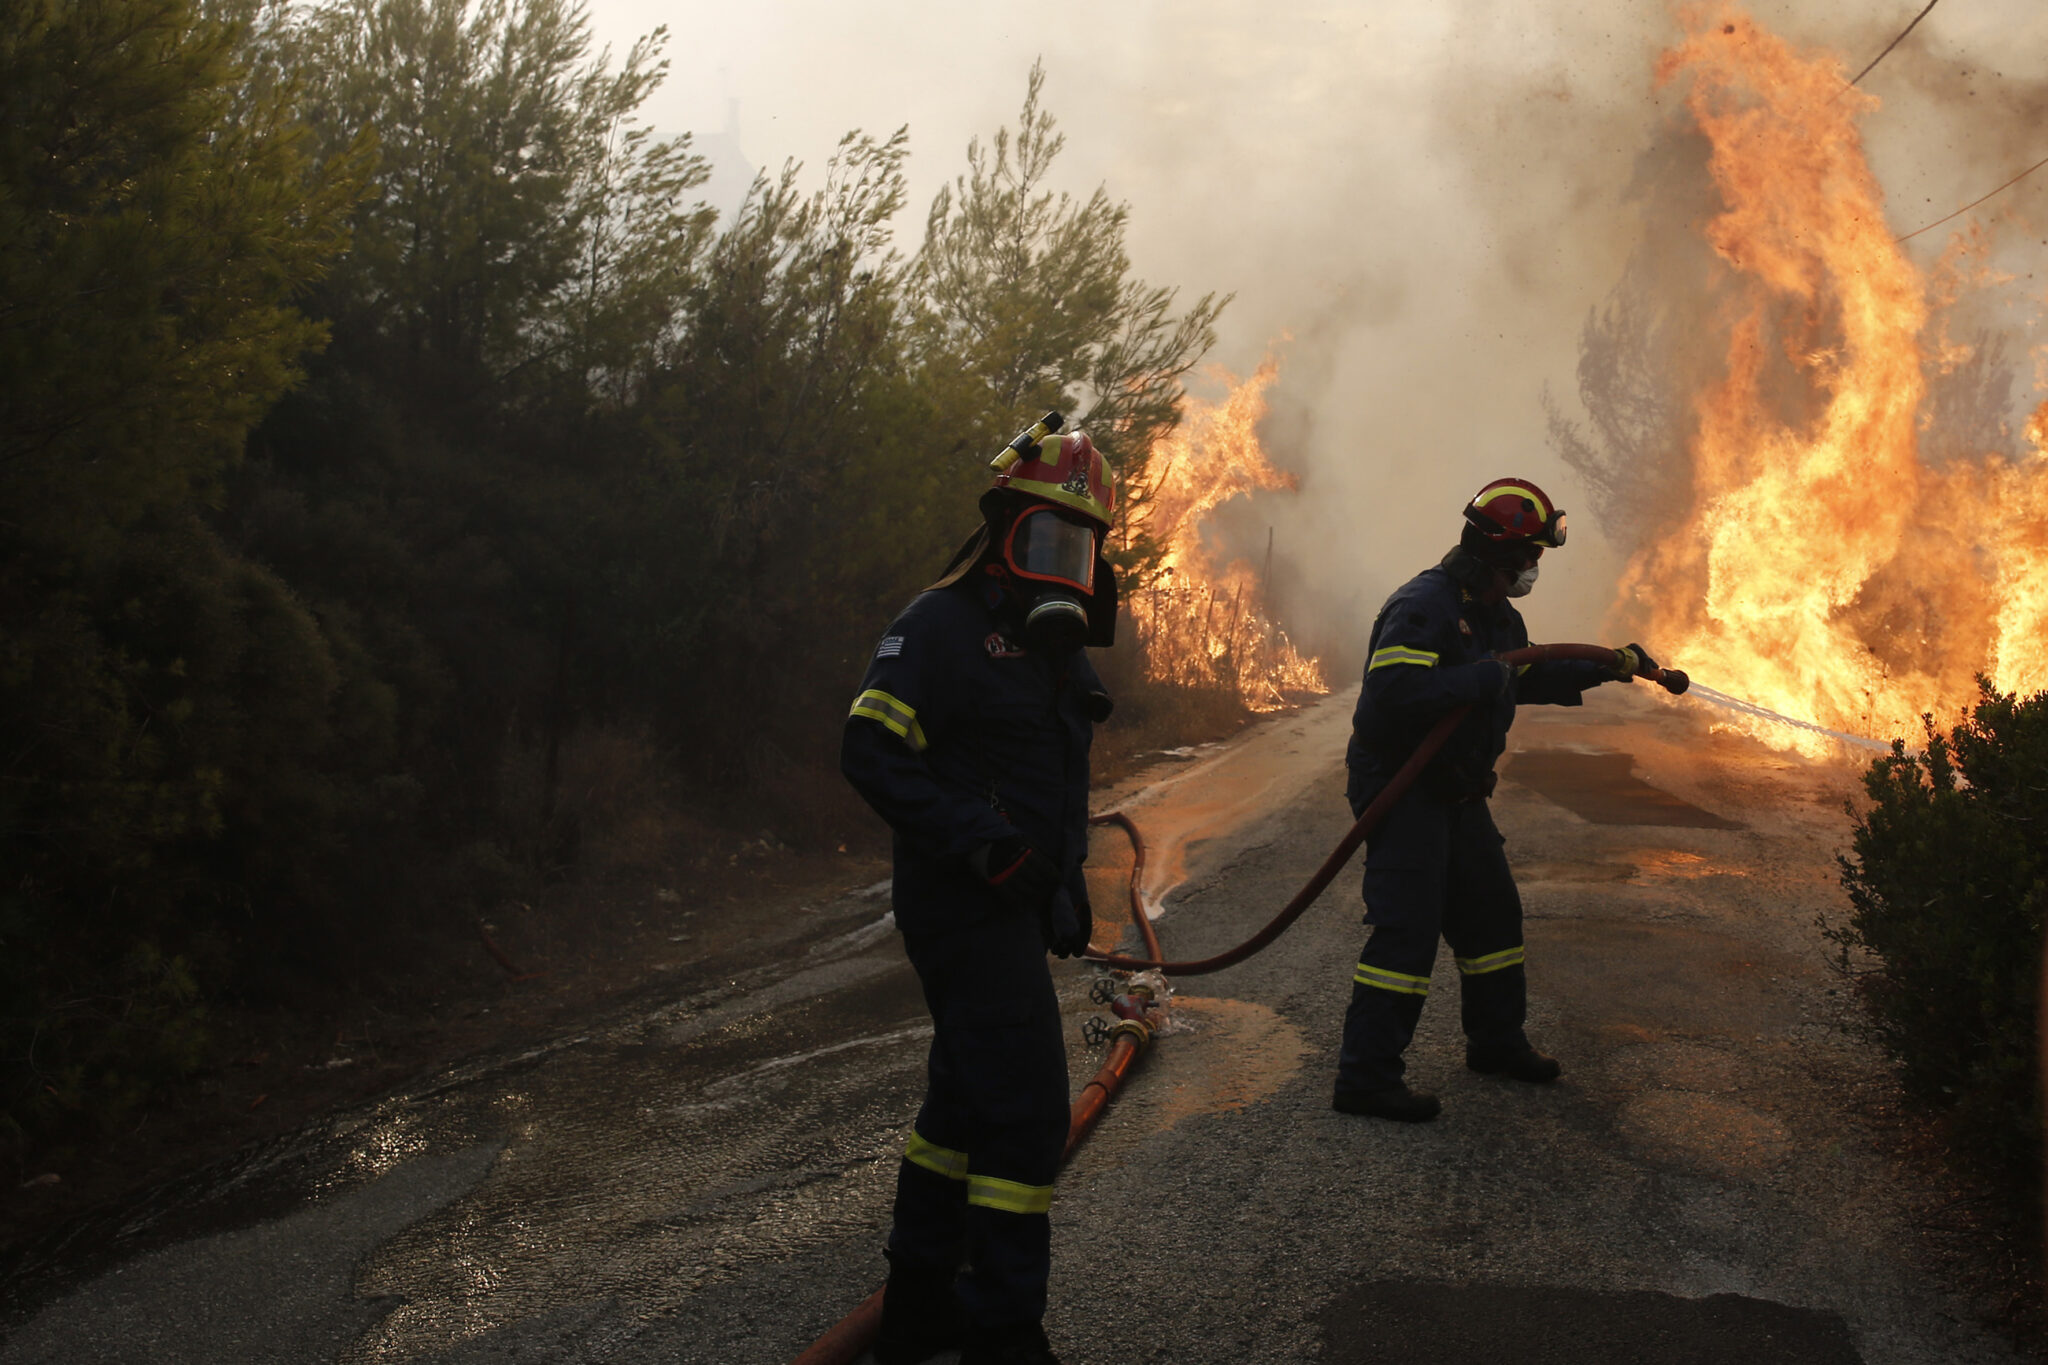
{"points": [[977, 1178], [1433, 869]]}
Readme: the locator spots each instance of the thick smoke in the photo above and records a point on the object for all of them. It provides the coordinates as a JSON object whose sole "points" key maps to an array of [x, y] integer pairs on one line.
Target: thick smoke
{"points": [[1429, 202]]}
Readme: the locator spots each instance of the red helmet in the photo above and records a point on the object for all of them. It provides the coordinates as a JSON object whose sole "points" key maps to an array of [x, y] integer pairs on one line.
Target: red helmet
{"points": [[1068, 470], [1509, 510]]}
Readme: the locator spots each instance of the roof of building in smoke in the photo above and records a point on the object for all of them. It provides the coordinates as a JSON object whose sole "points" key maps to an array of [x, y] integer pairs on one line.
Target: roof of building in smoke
{"points": [[732, 174]]}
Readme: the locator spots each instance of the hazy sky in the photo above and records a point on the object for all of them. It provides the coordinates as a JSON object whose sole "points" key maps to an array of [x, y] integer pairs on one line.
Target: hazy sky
{"points": [[1428, 197]]}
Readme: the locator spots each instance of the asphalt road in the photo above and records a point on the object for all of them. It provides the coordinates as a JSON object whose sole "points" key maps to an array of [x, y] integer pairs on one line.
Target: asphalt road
{"points": [[708, 1180]]}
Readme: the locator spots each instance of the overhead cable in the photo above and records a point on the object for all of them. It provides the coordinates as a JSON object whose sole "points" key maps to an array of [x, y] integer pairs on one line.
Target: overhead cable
{"points": [[1974, 202], [1894, 42]]}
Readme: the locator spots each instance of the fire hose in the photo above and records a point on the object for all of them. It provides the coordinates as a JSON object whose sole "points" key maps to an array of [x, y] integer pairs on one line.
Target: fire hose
{"points": [[1132, 1035]]}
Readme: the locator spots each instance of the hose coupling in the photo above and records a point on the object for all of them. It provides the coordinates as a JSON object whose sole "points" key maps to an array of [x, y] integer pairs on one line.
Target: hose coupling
{"points": [[1139, 1030]]}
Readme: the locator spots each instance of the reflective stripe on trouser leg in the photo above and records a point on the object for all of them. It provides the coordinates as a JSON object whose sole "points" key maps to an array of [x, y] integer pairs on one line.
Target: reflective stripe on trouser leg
{"points": [[1400, 983], [1008, 1196], [1483, 924], [1491, 962], [1493, 1005], [934, 1158], [1380, 1022], [928, 1228], [997, 1092]]}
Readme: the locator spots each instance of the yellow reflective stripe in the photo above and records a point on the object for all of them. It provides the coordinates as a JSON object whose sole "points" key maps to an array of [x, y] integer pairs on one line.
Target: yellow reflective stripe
{"points": [[1520, 669], [876, 704], [943, 1160], [1401, 983], [1543, 509], [1008, 1196], [1492, 962], [1401, 654]]}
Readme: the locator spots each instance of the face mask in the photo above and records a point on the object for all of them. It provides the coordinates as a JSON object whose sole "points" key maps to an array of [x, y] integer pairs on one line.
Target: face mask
{"points": [[1052, 562], [1055, 624], [1523, 582]]}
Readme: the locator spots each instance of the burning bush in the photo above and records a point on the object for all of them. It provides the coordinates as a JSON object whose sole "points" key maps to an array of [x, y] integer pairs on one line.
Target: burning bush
{"points": [[1949, 887]]}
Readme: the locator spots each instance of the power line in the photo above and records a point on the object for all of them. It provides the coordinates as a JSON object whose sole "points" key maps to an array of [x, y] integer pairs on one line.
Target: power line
{"points": [[1974, 202], [1894, 43]]}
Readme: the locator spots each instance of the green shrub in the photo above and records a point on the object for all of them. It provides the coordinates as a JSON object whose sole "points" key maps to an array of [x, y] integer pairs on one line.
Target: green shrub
{"points": [[1948, 885]]}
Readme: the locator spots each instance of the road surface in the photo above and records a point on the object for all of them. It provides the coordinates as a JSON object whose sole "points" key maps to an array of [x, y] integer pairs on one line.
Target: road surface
{"points": [[709, 1180]]}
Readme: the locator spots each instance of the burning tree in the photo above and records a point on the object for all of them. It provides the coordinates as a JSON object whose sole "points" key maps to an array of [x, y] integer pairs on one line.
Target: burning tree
{"points": [[1829, 524], [1201, 625]]}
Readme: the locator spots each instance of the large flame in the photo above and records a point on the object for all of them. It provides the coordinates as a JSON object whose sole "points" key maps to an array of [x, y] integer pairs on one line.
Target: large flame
{"points": [[1199, 624], [1825, 570]]}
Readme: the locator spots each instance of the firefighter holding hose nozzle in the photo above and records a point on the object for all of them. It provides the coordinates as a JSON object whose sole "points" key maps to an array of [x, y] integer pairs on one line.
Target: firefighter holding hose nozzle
{"points": [[970, 737], [1435, 867]]}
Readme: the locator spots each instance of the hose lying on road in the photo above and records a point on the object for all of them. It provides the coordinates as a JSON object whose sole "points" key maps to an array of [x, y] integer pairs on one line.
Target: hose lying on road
{"points": [[855, 1332]]}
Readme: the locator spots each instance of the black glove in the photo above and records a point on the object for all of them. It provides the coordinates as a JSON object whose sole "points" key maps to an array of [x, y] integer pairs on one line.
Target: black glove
{"points": [[1067, 925], [1633, 662], [1021, 876]]}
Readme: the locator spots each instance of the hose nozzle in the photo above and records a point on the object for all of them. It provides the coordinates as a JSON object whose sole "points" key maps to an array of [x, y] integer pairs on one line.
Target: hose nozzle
{"points": [[1673, 680]]}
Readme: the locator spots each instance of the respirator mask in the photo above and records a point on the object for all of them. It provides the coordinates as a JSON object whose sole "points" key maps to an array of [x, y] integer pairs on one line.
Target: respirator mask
{"points": [[1052, 562], [1524, 581]]}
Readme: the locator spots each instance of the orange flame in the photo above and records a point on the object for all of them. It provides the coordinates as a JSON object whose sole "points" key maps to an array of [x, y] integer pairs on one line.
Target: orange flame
{"points": [[1201, 626], [1824, 570]]}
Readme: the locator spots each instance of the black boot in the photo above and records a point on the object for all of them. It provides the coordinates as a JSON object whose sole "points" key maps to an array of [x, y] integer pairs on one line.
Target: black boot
{"points": [[1398, 1103], [1517, 1063], [1023, 1344], [920, 1317]]}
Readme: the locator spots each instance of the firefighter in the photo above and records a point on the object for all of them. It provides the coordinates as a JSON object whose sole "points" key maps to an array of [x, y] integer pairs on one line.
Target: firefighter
{"points": [[970, 738], [1435, 866]]}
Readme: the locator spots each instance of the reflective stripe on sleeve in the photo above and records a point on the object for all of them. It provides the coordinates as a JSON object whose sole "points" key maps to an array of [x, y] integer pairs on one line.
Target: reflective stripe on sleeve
{"points": [[876, 704], [1401, 654], [1492, 962], [1401, 983], [1008, 1196], [941, 1160]]}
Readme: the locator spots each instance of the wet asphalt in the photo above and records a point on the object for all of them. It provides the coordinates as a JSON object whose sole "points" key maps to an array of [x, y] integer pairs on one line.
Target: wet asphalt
{"points": [[707, 1179]]}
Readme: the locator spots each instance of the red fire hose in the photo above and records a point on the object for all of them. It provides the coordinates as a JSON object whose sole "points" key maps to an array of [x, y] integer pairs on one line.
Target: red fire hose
{"points": [[855, 1332]]}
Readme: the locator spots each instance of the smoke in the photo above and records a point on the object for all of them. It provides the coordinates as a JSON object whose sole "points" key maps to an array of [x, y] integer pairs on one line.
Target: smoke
{"points": [[1420, 206]]}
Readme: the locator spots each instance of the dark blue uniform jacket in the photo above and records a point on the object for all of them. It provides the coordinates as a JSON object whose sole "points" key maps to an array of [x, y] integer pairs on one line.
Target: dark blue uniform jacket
{"points": [[959, 736], [1426, 657]]}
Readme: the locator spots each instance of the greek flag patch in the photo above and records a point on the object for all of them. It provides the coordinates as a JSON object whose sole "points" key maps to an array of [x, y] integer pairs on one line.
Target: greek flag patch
{"points": [[891, 646]]}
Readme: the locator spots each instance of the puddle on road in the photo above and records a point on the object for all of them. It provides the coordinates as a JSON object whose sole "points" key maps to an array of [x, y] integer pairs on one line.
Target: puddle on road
{"points": [[1636, 866], [1600, 788], [1719, 1136], [1677, 1066], [1654, 864], [1235, 1054]]}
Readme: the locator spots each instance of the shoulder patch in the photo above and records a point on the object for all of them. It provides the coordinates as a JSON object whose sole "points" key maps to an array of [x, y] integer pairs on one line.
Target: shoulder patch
{"points": [[999, 646], [891, 646]]}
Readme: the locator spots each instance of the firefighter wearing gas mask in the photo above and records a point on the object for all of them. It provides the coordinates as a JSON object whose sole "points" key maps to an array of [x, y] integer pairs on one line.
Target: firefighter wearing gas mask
{"points": [[970, 737], [1435, 867]]}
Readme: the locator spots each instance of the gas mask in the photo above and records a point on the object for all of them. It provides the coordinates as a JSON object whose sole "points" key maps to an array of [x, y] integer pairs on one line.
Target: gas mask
{"points": [[1052, 563], [1524, 581]]}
